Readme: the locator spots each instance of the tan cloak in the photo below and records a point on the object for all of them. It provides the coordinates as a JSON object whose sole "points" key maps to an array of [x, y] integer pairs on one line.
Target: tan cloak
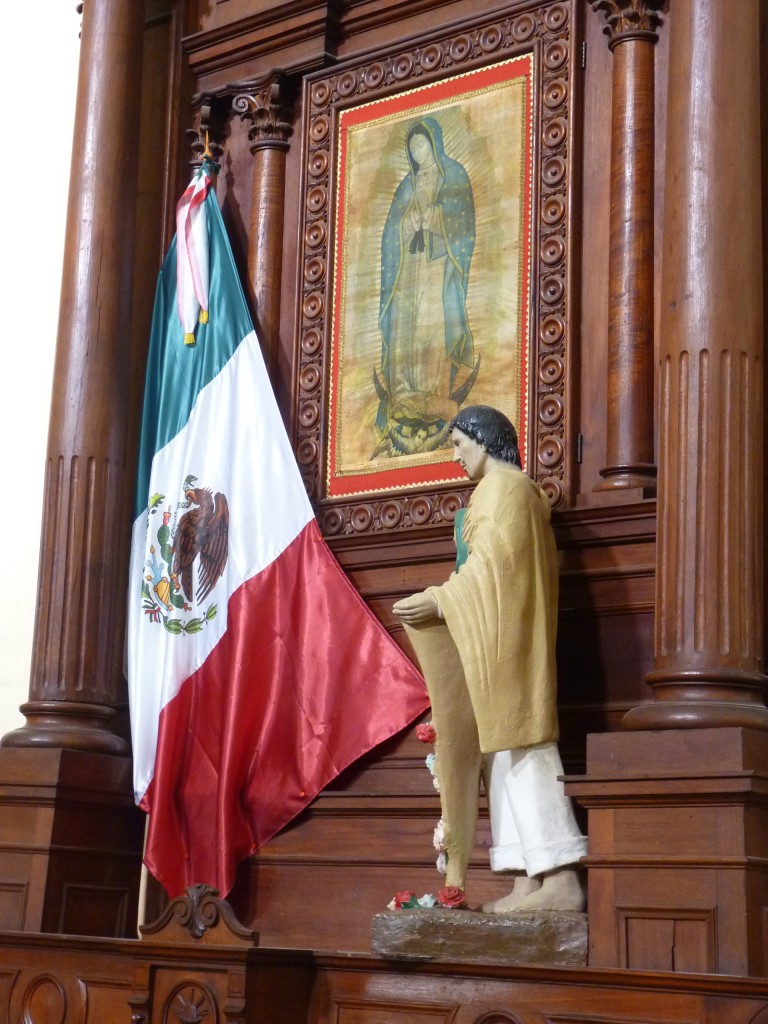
{"points": [[501, 610]]}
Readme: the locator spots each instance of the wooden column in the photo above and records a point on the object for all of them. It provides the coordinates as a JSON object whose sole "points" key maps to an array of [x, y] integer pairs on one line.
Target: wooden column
{"points": [[264, 104], [678, 808], [709, 619], [629, 430], [70, 836], [76, 676]]}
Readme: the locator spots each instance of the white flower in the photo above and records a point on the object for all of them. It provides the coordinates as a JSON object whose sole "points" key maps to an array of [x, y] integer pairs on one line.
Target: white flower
{"points": [[438, 838], [427, 901], [442, 863], [391, 905], [429, 760]]}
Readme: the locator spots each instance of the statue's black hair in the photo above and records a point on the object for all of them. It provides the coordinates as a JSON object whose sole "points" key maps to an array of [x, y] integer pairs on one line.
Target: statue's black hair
{"points": [[491, 429]]}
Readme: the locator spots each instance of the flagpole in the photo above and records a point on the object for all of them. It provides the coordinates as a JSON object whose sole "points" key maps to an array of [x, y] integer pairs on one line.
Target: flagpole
{"points": [[208, 154], [141, 912]]}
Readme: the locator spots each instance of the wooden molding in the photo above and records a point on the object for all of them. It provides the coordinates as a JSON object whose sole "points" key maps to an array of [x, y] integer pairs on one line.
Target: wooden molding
{"points": [[208, 128], [199, 916]]}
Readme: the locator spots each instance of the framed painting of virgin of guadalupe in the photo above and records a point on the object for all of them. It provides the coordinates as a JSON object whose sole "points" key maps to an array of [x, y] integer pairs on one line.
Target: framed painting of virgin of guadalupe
{"points": [[423, 225], [432, 224]]}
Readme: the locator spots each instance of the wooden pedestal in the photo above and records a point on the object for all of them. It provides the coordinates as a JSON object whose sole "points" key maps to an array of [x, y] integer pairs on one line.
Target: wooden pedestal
{"points": [[70, 842], [678, 850]]}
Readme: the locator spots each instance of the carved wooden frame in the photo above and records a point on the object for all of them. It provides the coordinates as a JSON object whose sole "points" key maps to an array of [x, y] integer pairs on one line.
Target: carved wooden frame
{"points": [[550, 29]]}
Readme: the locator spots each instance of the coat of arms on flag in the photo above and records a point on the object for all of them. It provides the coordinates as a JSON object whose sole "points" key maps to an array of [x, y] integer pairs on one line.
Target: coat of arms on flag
{"points": [[181, 544]]}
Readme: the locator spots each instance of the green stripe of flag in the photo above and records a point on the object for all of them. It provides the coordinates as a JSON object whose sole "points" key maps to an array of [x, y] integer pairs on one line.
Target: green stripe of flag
{"points": [[176, 373]]}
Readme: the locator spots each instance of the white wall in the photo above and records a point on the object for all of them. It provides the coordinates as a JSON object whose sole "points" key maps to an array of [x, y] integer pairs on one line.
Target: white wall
{"points": [[38, 76]]}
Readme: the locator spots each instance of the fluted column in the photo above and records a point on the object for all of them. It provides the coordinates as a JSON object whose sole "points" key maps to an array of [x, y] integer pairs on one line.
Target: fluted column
{"points": [[265, 104], [79, 624], [631, 26], [708, 651]]}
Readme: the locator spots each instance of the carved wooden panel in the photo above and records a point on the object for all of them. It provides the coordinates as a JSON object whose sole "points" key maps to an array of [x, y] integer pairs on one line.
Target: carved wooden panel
{"points": [[13, 904], [668, 938], [78, 985], [513, 996], [44, 998], [48, 979], [677, 877], [359, 1012], [549, 30], [102, 909]]}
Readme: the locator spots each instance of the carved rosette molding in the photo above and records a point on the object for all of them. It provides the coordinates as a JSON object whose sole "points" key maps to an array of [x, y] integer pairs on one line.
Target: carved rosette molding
{"points": [[193, 1001], [548, 30], [266, 105], [190, 1003], [629, 19]]}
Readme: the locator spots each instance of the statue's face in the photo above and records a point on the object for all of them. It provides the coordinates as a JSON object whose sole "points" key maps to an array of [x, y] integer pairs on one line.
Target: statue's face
{"points": [[470, 455]]}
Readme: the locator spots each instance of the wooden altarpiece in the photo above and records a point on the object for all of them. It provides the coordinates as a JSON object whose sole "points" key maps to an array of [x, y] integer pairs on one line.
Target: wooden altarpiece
{"points": [[646, 248]]}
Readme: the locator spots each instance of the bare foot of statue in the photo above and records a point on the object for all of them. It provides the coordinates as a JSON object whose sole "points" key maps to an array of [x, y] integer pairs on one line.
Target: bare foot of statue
{"points": [[560, 890], [522, 888]]}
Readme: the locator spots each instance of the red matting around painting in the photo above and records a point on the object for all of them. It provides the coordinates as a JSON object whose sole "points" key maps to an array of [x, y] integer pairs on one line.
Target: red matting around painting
{"points": [[413, 101]]}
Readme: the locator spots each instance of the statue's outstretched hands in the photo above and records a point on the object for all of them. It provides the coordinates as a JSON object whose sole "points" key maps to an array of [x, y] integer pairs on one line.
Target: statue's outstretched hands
{"points": [[417, 609]]}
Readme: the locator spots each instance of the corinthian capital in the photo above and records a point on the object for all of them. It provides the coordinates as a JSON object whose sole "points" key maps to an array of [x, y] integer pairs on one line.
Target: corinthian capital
{"points": [[629, 19], [266, 104]]}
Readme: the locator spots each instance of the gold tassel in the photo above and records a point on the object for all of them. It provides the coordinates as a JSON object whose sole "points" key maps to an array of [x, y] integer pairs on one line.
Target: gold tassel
{"points": [[203, 316], [189, 339]]}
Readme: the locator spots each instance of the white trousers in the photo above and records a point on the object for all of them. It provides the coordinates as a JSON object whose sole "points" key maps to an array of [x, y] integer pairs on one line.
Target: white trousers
{"points": [[532, 821]]}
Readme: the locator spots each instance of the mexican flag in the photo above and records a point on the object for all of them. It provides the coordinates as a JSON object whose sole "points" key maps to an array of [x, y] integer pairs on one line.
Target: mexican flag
{"points": [[256, 673]]}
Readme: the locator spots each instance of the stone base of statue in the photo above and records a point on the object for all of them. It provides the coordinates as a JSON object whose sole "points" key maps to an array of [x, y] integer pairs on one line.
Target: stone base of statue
{"points": [[533, 939]]}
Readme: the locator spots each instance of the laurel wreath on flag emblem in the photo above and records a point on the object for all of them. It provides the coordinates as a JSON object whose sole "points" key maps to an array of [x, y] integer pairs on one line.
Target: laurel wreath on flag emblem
{"points": [[197, 538]]}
